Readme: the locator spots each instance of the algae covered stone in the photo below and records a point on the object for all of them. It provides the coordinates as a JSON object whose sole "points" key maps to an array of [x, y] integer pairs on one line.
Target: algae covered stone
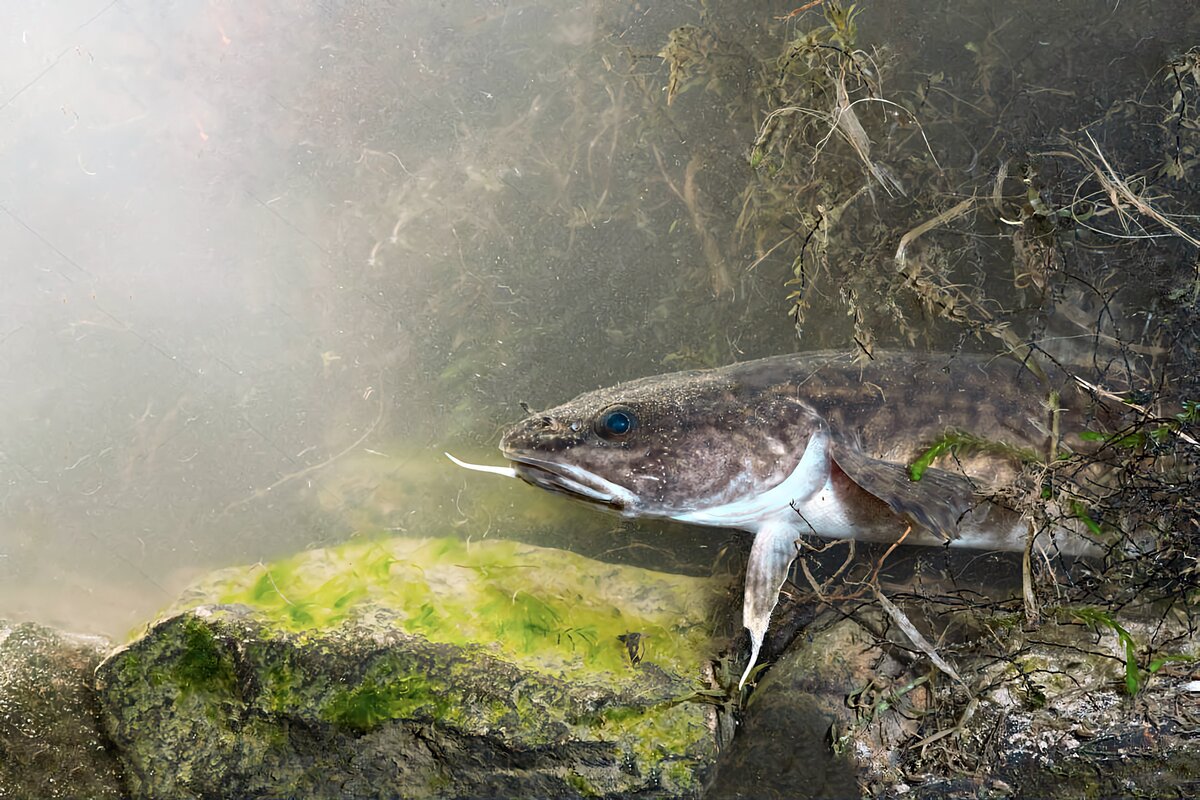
{"points": [[420, 668]]}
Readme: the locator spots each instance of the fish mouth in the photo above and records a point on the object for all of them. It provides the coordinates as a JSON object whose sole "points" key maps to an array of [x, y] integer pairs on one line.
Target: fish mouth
{"points": [[574, 482]]}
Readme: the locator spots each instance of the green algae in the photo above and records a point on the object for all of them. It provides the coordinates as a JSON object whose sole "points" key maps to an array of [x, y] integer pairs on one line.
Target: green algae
{"points": [[569, 620], [378, 699], [665, 736], [582, 785], [203, 665], [281, 687]]}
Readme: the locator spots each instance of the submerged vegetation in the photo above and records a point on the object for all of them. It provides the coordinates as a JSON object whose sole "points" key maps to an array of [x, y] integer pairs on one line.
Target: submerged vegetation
{"points": [[932, 211]]}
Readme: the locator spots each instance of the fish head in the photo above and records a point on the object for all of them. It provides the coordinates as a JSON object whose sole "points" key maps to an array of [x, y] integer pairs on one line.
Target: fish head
{"points": [[666, 446]]}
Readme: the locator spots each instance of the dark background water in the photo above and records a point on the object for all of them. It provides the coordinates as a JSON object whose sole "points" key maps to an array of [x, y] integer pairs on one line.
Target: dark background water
{"points": [[264, 261]]}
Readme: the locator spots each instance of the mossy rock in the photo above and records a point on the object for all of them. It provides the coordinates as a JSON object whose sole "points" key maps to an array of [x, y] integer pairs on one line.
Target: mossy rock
{"points": [[783, 745], [420, 668]]}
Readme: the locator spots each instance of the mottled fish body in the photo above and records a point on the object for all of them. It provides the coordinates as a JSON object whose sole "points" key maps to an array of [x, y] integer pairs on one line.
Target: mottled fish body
{"points": [[805, 444]]}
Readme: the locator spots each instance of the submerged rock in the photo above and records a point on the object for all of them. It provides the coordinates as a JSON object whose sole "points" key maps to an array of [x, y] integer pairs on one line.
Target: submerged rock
{"points": [[1058, 711], [1070, 709], [785, 747], [51, 745], [420, 668]]}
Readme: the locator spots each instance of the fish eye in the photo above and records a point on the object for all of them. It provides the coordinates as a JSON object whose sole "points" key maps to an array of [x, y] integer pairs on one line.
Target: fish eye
{"points": [[615, 422]]}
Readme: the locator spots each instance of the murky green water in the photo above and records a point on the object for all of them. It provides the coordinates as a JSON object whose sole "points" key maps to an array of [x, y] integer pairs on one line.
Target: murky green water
{"points": [[264, 262]]}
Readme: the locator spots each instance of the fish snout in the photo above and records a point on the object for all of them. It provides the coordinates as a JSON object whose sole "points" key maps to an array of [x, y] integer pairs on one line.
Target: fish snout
{"points": [[537, 431]]}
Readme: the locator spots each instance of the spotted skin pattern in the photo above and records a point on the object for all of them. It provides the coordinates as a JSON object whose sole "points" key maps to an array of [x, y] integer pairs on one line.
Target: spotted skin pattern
{"points": [[805, 444]]}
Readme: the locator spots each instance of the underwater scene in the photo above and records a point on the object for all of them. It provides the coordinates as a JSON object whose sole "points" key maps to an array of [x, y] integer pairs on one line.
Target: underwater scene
{"points": [[677, 399]]}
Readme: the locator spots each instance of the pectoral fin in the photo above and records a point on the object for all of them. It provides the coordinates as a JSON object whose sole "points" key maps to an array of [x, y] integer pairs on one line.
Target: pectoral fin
{"points": [[936, 502], [771, 556]]}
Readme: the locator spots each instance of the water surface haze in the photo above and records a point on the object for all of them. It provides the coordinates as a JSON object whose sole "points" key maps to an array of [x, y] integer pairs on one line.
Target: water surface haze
{"points": [[262, 259], [241, 241]]}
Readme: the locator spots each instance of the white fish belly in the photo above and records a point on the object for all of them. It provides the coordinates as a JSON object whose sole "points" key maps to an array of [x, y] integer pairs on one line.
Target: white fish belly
{"points": [[826, 515]]}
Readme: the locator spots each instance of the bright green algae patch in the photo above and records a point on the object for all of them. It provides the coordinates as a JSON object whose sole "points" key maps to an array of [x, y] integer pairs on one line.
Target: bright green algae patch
{"points": [[563, 617], [421, 667]]}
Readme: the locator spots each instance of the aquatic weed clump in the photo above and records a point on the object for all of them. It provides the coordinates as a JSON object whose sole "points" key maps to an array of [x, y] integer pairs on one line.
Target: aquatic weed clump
{"points": [[976, 200], [1030, 247]]}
